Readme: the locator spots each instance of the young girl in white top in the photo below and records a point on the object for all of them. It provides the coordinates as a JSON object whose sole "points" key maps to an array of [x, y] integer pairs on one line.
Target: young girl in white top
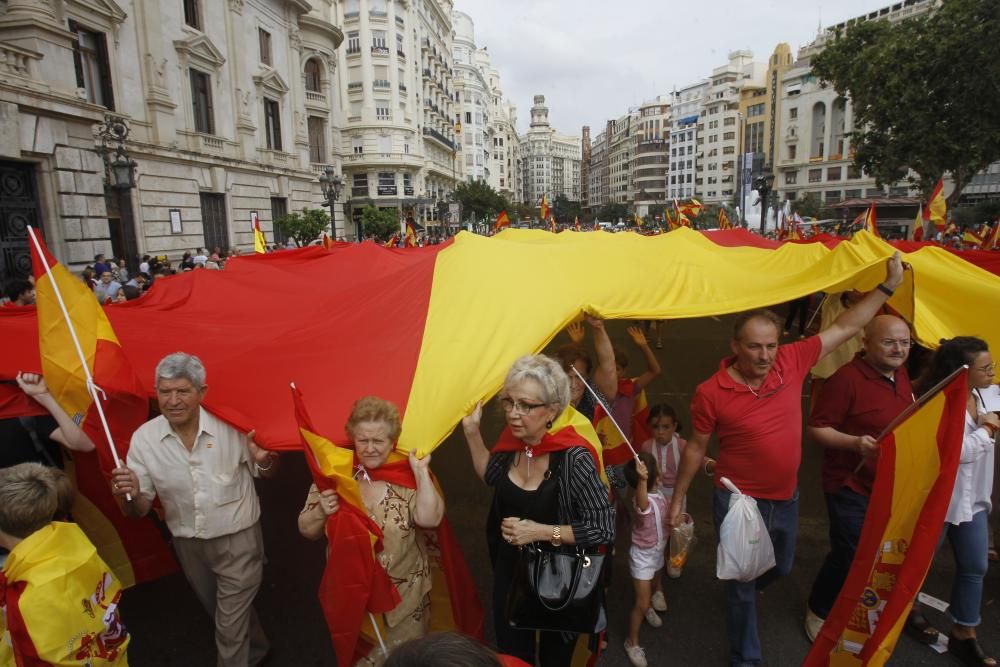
{"points": [[667, 447]]}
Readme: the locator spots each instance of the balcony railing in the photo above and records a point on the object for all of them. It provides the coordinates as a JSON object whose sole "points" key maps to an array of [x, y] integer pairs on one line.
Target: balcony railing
{"points": [[427, 72], [355, 85], [430, 132], [380, 50], [400, 54], [377, 14], [382, 84], [400, 22], [402, 88], [349, 16], [17, 62], [353, 50], [313, 96]]}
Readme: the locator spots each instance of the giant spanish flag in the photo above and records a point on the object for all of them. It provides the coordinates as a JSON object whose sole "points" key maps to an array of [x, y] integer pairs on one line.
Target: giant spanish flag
{"points": [[355, 587], [133, 548], [59, 603], [918, 461], [422, 329], [410, 240]]}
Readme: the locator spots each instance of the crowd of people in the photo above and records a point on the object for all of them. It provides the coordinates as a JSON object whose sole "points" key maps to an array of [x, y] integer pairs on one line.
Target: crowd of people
{"points": [[561, 498]]}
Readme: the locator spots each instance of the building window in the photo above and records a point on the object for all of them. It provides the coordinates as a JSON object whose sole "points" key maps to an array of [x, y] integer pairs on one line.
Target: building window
{"points": [[791, 177], [386, 183], [399, 45], [383, 113], [378, 42], [272, 124], [728, 136], [317, 139], [93, 72], [353, 42], [815, 175], [360, 188], [793, 113], [313, 75], [833, 174], [358, 145], [192, 14], [201, 99], [264, 38], [791, 152]]}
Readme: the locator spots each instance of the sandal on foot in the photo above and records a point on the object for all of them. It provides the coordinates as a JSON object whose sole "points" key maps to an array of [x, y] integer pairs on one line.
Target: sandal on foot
{"points": [[969, 652], [918, 627]]}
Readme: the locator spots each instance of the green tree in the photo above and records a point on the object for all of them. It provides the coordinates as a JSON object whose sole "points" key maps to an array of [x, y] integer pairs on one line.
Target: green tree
{"points": [[566, 211], [379, 223], [479, 200], [924, 91], [987, 210], [304, 227], [611, 211], [808, 206]]}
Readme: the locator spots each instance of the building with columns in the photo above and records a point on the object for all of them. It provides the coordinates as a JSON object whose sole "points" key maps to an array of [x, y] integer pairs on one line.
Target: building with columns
{"points": [[550, 162], [228, 105]]}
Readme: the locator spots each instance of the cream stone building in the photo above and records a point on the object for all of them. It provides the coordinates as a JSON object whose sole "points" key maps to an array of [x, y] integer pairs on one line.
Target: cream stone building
{"points": [[651, 160], [550, 162], [684, 135], [229, 108]]}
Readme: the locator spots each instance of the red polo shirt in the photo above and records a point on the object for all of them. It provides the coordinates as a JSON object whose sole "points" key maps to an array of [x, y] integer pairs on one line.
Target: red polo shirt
{"points": [[760, 431], [857, 400]]}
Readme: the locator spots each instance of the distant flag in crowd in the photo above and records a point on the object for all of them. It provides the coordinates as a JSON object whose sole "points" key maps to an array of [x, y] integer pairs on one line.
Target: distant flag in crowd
{"points": [[991, 240], [327, 241], [972, 237], [259, 242], [393, 242], [724, 220], [576, 223], [90, 377], [638, 220], [410, 240], [682, 218], [692, 208], [869, 223], [920, 230], [501, 222], [544, 215], [597, 226], [552, 224], [937, 207], [794, 231]]}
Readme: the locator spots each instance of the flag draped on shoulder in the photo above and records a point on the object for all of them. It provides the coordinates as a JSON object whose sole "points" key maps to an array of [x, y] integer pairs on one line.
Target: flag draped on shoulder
{"points": [[917, 463], [569, 429], [616, 451], [502, 221], [79, 351], [259, 242], [59, 603], [355, 586]]}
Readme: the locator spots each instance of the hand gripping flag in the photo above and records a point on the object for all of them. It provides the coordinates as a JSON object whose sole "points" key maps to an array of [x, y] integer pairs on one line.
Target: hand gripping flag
{"points": [[259, 242], [81, 359], [544, 214], [502, 221], [937, 206], [59, 603], [353, 581], [917, 464]]}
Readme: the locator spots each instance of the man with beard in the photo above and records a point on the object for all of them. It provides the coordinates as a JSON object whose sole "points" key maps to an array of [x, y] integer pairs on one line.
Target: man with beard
{"points": [[754, 404]]}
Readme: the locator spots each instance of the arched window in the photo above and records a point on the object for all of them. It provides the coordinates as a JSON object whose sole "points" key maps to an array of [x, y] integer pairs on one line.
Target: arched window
{"points": [[313, 75]]}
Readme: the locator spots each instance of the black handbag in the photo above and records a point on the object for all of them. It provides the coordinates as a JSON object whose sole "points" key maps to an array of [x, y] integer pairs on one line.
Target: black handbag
{"points": [[557, 590]]}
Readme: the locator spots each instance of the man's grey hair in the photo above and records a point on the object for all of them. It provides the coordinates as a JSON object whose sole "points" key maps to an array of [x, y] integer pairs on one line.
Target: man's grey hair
{"points": [[181, 365], [544, 370]]}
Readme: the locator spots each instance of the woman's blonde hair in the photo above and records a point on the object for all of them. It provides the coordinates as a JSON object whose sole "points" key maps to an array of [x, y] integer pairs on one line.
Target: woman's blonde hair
{"points": [[374, 409]]}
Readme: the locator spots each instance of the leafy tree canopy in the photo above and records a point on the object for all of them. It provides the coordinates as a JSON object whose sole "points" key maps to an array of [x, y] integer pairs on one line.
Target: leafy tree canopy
{"points": [[925, 92], [379, 223], [566, 211], [479, 200], [304, 227]]}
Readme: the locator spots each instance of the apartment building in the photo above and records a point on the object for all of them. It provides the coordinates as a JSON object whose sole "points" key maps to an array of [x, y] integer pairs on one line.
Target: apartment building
{"points": [[686, 108], [598, 183], [550, 162], [651, 160]]}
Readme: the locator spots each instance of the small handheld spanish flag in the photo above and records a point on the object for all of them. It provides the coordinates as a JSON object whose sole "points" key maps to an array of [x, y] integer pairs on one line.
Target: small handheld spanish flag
{"points": [[724, 220], [259, 242], [552, 224], [576, 223], [937, 207], [869, 223], [501, 222], [545, 208], [393, 242], [638, 220], [410, 240]]}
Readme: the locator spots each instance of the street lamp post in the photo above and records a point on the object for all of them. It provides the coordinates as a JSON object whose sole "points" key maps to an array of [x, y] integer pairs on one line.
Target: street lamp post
{"points": [[330, 183], [119, 176]]}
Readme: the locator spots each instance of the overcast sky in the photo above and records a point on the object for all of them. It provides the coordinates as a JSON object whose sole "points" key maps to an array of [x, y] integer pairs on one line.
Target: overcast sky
{"points": [[593, 59]]}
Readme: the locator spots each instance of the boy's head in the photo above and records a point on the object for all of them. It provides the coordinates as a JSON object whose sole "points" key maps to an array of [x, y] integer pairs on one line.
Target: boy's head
{"points": [[29, 497], [632, 475], [65, 494]]}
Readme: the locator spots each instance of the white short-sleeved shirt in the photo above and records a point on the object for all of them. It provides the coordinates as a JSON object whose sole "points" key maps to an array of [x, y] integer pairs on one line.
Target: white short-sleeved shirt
{"points": [[207, 492], [974, 482]]}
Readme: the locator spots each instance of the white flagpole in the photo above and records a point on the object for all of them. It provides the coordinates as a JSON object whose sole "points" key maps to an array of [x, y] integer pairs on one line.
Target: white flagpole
{"points": [[607, 409], [93, 388]]}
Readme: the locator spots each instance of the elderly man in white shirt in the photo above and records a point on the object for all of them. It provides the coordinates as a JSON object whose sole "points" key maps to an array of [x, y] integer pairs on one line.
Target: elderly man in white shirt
{"points": [[202, 470]]}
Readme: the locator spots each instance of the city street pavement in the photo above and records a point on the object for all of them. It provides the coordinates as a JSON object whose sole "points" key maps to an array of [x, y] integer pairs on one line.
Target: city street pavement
{"points": [[169, 627]]}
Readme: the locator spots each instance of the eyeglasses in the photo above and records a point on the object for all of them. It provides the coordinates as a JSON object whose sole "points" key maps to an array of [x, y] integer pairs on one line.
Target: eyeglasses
{"points": [[889, 343], [988, 368], [511, 406]]}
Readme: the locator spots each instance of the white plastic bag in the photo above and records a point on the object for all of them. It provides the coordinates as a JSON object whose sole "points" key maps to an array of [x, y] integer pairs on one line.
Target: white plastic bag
{"points": [[745, 549]]}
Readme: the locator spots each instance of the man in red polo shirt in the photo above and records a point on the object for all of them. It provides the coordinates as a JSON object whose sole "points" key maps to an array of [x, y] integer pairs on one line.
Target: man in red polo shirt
{"points": [[853, 408], [753, 404]]}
